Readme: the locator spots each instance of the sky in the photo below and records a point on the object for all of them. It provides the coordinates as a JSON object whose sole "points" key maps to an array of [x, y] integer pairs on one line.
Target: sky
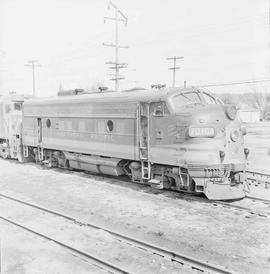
{"points": [[221, 41]]}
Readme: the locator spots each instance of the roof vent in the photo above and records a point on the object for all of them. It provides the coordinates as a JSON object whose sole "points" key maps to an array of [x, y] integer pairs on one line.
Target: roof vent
{"points": [[76, 91], [158, 86]]}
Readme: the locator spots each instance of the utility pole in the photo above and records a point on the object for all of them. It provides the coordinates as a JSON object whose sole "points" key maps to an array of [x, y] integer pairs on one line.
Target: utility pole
{"points": [[269, 35], [174, 68], [33, 64], [119, 16]]}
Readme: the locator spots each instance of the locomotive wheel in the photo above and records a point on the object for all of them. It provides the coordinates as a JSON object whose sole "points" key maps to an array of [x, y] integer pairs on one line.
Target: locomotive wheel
{"points": [[21, 158], [4, 154], [20, 155]]}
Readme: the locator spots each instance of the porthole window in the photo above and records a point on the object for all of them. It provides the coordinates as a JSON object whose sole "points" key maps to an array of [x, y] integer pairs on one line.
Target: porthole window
{"points": [[48, 123], [110, 125]]}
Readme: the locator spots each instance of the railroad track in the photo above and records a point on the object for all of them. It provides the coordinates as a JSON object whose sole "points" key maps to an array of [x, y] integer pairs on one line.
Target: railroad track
{"points": [[176, 194], [172, 193], [259, 177], [231, 205], [111, 268], [182, 259], [243, 208]]}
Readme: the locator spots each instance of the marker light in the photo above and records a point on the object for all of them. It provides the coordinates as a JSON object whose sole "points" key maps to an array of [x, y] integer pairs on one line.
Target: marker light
{"points": [[201, 132], [246, 151], [221, 154]]}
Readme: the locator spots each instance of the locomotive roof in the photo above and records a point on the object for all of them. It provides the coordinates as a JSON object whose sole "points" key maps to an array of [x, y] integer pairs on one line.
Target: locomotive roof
{"points": [[13, 97], [142, 95]]}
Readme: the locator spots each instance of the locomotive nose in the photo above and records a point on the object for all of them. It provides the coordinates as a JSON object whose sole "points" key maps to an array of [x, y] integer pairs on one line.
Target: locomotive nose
{"points": [[221, 131], [212, 119]]}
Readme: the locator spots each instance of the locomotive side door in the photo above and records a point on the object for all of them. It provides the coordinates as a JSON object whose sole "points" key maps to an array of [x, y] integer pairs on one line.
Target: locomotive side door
{"points": [[38, 139], [144, 131], [39, 132]]}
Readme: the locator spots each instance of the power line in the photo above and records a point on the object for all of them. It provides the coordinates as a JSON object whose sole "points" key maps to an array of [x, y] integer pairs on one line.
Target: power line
{"points": [[236, 83], [33, 64], [174, 68], [119, 16], [197, 33]]}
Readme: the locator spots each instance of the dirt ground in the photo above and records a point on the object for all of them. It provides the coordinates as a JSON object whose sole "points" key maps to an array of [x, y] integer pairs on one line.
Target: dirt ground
{"points": [[237, 240]]}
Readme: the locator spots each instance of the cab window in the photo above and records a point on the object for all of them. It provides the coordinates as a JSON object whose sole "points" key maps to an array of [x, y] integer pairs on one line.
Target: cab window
{"points": [[18, 106], [160, 109]]}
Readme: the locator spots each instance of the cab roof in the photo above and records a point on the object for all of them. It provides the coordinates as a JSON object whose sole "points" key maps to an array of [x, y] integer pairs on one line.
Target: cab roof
{"points": [[14, 97]]}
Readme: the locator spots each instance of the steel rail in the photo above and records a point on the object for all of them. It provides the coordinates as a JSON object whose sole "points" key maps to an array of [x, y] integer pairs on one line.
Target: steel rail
{"points": [[194, 263], [224, 204], [254, 212], [95, 260], [258, 173], [258, 199], [262, 174]]}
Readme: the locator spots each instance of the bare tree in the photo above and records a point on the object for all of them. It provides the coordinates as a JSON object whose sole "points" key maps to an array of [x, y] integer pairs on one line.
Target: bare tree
{"points": [[227, 98], [258, 98]]}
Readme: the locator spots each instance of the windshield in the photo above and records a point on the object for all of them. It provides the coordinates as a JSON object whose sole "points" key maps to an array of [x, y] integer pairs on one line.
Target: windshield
{"points": [[208, 98], [184, 99], [193, 97]]}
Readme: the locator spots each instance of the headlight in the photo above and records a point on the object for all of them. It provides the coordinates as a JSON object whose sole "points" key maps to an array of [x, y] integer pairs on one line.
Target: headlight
{"points": [[235, 135], [201, 132], [231, 111]]}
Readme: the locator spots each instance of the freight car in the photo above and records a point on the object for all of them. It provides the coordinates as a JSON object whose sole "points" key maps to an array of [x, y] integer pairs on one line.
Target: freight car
{"points": [[181, 139]]}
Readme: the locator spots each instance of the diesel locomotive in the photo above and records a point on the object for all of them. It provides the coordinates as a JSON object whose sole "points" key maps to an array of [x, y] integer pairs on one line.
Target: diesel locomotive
{"points": [[182, 139], [10, 125]]}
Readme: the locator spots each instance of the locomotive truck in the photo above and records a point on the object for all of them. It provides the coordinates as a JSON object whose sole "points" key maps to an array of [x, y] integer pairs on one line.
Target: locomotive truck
{"points": [[182, 139]]}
